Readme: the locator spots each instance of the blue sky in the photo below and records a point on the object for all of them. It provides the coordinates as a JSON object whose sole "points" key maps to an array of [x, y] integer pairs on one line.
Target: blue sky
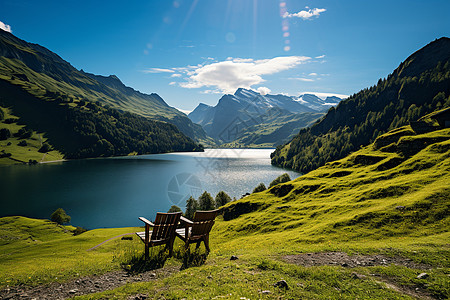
{"points": [[194, 51]]}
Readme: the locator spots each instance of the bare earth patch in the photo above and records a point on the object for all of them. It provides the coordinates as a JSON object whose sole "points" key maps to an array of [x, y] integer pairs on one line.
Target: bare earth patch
{"points": [[352, 261], [84, 285]]}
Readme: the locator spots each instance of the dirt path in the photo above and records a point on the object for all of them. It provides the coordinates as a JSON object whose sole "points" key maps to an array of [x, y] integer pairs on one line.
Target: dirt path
{"points": [[109, 240], [84, 285], [98, 283], [351, 261]]}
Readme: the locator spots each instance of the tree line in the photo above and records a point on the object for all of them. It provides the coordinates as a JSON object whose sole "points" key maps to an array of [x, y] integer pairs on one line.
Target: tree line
{"points": [[206, 202], [360, 119]]}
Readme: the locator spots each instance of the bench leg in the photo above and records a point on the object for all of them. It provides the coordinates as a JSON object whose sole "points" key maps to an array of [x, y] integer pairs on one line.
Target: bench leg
{"points": [[146, 252], [206, 240], [170, 246]]}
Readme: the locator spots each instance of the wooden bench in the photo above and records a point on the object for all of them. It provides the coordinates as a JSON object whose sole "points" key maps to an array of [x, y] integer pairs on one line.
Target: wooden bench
{"points": [[163, 231], [197, 230]]}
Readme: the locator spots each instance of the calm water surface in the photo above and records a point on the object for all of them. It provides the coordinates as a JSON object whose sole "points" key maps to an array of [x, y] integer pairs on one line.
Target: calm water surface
{"points": [[114, 192]]}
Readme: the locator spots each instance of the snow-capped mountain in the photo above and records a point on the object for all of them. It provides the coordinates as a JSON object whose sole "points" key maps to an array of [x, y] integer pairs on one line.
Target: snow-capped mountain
{"points": [[248, 107]]}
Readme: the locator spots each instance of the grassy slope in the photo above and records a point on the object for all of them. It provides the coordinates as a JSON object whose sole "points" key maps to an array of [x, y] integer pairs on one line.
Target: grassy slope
{"points": [[349, 205], [420, 85], [40, 251], [355, 199], [24, 153], [48, 72]]}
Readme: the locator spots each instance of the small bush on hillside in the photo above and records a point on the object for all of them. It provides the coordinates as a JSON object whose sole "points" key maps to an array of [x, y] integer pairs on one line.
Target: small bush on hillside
{"points": [[79, 230], [10, 120], [261, 187], [4, 134], [24, 133], [59, 216], [174, 209], [22, 143], [45, 148], [280, 179]]}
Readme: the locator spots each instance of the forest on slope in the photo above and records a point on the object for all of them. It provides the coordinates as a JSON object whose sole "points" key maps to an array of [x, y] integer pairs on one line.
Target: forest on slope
{"points": [[79, 116], [81, 129], [420, 85]]}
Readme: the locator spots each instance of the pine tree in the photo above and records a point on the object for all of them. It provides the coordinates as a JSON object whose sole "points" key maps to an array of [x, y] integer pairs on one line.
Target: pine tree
{"points": [[222, 198], [280, 179], [191, 207], [206, 202], [261, 187]]}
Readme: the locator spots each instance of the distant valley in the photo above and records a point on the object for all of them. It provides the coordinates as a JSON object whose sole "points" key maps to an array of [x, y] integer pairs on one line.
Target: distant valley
{"points": [[250, 119]]}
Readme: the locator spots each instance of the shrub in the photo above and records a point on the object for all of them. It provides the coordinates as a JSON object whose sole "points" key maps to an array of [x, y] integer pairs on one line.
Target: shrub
{"points": [[79, 230], [5, 154], [22, 143], [24, 133], [222, 198], [174, 209], [280, 179], [45, 148], [261, 187], [4, 134], [10, 120], [59, 216]]}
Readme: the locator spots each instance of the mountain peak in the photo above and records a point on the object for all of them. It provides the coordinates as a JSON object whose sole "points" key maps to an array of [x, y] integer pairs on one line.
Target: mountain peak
{"points": [[434, 52], [245, 93]]}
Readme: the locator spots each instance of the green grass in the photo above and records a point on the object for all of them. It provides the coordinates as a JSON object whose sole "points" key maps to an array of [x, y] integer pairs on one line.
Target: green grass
{"points": [[22, 154], [39, 251], [376, 201]]}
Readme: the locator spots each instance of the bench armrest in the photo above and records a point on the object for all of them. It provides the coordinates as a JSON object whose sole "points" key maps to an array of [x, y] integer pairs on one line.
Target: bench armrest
{"points": [[187, 221], [146, 221]]}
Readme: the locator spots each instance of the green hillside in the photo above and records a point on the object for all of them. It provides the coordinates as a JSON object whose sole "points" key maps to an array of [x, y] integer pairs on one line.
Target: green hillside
{"points": [[81, 129], [420, 85], [19, 145], [79, 116], [42, 72], [361, 227]]}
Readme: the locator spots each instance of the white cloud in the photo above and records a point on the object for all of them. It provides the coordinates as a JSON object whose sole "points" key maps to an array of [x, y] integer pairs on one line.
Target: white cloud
{"points": [[263, 90], [325, 95], [312, 74], [211, 92], [5, 27], [175, 75], [321, 56], [305, 14], [158, 70], [172, 83], [233, 73], [302, 79]]}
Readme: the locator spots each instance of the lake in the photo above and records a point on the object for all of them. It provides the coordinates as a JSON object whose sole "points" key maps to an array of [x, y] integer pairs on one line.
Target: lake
{"points": [[114, 192]]}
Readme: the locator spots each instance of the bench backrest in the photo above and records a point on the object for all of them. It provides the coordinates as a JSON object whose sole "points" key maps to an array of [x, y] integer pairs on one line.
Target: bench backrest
{"points": [[165, 225], [203, 222]]}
